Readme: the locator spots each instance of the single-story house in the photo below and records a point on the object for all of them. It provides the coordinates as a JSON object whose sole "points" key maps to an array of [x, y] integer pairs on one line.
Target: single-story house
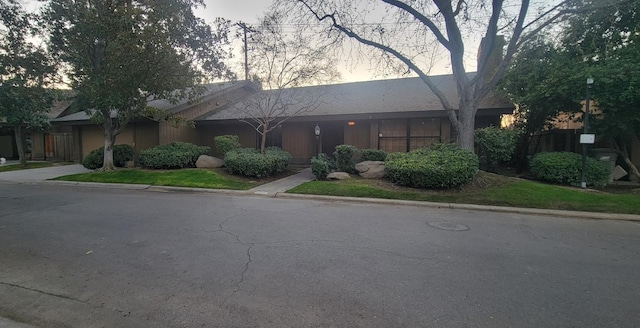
{"points": [[394, 115]]}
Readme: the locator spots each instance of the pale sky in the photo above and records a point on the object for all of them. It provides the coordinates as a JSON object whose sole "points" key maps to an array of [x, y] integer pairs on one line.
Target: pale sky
{"points": [[249, 11]]}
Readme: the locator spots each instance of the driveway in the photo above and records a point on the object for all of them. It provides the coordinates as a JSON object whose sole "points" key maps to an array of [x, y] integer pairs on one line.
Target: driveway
{"points": [[91, 257], [36, 175]]}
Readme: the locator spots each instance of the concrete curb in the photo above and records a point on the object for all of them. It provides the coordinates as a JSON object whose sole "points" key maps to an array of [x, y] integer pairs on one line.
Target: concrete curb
{"points": [[283, 195], [473, 207]]}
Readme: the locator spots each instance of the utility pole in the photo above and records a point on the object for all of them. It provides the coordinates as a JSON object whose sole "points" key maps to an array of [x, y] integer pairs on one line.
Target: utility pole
{"points": [[246, 29]]}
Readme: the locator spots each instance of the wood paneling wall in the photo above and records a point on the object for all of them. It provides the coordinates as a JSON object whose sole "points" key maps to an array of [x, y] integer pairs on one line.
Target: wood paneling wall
{"points": [[185, 133], [358, 134], [208, 132], [298, 139]]}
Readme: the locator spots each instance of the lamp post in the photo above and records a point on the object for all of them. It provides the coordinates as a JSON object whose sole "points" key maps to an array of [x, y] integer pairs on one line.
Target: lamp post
{"points": [[586, 138], [316, 130]]}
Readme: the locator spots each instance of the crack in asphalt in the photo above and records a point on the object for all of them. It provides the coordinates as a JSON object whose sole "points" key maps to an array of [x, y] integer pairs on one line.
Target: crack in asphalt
{"points": [[43, 292], [249, 259]]}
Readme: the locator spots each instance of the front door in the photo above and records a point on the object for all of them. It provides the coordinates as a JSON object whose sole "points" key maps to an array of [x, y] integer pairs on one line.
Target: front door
{"points": [[332, 134]]}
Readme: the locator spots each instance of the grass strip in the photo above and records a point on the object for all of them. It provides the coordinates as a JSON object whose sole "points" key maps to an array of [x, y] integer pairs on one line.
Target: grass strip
{"points": [[523, 193], [193, 178]]}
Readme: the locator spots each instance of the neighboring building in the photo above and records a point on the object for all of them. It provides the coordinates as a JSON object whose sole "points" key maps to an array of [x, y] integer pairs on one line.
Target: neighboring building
{"points": [[394, 115]]}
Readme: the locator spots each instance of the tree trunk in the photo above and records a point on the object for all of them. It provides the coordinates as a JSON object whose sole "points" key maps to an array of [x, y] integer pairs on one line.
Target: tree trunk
{"points": [[109, 140], [466, 124], [621, 148], [263, 142], [19, 145]]}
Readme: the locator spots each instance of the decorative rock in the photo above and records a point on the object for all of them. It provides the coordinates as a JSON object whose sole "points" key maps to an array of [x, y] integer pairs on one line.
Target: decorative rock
{"points": [[338, 176], [205, 161], [371, 169]]}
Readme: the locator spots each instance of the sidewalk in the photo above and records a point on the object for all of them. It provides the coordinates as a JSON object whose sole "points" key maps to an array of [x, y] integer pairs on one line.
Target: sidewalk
{"points": [[282, 185]]}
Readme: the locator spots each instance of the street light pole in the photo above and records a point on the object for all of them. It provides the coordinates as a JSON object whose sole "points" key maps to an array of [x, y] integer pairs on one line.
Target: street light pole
{"points": [[585, 130]]}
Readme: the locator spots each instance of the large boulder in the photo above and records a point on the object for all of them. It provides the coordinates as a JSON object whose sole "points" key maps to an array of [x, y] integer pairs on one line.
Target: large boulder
{"points": [[371, 169], [205, 162], [338, 176]]}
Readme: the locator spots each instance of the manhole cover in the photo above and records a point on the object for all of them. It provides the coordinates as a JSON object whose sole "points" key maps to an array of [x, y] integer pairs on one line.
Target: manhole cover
{"points": [[449, 226]]}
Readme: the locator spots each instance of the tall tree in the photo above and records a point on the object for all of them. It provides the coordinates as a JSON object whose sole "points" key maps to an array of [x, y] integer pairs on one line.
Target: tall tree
{"points": [[121, 53], [280, 63], [26, 71], [543, 83], [404, 33], [606, 44]]}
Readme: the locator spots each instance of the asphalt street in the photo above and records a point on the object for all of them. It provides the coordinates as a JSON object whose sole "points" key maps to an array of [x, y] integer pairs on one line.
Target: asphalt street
{"points": [[92, 257]]}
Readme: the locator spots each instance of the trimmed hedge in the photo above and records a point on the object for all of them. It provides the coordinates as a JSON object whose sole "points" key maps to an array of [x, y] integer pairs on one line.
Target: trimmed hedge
{"points": [[441, 166], [121, 155], [566, 168], [249, 162], [322, 165], [344, 155], [226, 143], [175, 155], [495, 145], [373, 155]]}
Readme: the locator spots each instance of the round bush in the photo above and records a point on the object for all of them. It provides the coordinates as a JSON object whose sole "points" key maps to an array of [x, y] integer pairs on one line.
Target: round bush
{"points": [[373, 155], [495, 145], [441, 166], [175, 155], [249, 162], [322, 165], [344, 158], [226, 143], [121, 155], [566, 168]]}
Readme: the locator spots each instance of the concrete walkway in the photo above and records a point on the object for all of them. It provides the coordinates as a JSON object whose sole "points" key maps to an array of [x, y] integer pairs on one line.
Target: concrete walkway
{"points": [[282, 185], [42, 174]]}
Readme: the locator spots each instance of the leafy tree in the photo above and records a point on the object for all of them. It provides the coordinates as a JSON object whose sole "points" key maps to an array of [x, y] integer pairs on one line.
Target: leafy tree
{"points": [[408, 34], [543, 83], [281, 62], [121, 53], [607, 45], [26, 70]]}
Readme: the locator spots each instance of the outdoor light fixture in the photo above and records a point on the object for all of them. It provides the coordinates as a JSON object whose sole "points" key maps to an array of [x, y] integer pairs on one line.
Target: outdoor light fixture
{"points": [[351, 123], [585, 137], [317, 130]]}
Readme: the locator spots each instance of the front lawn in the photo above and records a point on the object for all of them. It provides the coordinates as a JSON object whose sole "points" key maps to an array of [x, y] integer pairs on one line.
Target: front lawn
{"points": [[195, 178], [486, 189]]}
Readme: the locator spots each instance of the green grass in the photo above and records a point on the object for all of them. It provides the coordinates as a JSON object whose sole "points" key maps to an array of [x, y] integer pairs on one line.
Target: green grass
{"points": [[179, 178], [517, 193], [30, 165]]}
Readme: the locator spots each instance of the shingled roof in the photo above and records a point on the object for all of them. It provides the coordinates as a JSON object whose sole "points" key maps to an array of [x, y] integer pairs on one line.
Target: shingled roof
{"points": [[373, 97]]}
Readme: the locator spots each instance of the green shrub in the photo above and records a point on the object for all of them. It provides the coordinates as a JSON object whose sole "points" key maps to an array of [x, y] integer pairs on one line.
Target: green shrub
{"points": [[441, 166], [226, 143], [566, 168], [373, 155], [344, 155], [322, 165], [121, 155], [249, 162], [175, 155], [495, 145]]}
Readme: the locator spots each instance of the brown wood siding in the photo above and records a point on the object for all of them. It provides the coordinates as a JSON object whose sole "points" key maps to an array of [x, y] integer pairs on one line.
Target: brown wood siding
{"points": [[93, 138], [424, 132], [37, 146], [208, 132], [357, 135], [373, 135], [168, 133], [393, 135], [145, 136], [298, 139]]}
